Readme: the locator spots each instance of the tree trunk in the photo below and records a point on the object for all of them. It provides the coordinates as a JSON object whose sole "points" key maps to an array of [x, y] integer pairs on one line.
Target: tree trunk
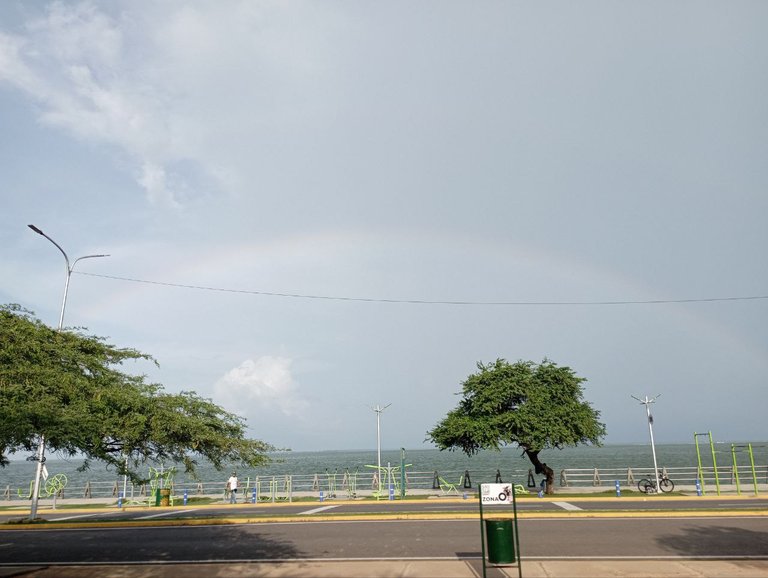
{"points": [[542, 468]]}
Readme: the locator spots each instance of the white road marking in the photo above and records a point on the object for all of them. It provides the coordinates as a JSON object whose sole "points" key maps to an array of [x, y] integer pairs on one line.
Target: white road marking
{"points": [[316, 510], [184, 511], [82, 516], [567, 506]]}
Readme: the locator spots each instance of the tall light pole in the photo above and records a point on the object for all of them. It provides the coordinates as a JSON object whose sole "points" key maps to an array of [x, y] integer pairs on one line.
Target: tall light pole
{"points": [[647, 403], [41, 446], [378, 409]]}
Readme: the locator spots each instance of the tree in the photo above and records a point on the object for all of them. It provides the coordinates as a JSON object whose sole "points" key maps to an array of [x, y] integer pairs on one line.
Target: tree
{"points": [[535, 406], [67, 386]]}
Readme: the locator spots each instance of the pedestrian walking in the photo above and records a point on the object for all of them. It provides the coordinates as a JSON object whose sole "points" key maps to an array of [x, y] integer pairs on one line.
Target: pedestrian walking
{"points": [[232, 488]]}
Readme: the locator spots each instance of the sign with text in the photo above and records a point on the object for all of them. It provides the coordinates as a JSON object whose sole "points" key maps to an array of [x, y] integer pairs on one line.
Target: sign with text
{"points": [[496, 494]]}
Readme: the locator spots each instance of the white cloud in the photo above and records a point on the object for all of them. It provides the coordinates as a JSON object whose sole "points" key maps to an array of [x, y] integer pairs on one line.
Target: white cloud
{"points": [[154, 182], [148, 79], [264, 385]]}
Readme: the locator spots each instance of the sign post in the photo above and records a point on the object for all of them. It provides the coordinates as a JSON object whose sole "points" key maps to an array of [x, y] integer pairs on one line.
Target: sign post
{"points": [[502, 547]]}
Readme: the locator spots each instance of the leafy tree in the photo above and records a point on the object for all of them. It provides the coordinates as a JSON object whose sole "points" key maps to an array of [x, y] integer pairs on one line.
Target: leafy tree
{"points": [[67, 386], [535, 406]]}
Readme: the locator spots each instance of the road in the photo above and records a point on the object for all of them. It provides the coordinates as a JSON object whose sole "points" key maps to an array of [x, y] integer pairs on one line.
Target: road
{"points": [[731, 537]]}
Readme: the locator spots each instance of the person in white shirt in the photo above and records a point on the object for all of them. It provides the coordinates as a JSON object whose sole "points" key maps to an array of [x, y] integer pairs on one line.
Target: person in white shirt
{"points": [[232, 488]]}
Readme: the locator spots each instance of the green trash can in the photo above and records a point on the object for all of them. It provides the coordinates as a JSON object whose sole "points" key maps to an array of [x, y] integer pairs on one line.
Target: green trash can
{"points": [[500, 539]]}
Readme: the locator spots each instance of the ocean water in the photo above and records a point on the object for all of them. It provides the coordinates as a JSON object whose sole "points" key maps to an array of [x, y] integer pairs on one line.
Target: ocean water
{"points": [[509, 461]]}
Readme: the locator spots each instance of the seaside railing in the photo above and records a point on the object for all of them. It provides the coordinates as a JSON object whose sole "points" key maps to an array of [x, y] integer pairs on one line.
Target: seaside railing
{"points": [[351, 484], [682, 476]]}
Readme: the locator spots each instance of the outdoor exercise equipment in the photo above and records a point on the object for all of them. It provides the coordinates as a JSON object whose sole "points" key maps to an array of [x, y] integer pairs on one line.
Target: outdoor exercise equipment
{"points": [[735, 450], [54, 486], [714, 461], [349, 481], [273, 489], [743, 448], [386, 480], [161, 482], [448, 488]]}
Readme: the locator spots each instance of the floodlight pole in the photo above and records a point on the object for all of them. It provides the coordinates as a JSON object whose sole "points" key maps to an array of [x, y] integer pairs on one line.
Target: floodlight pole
{"points": [[647, 403], [41, 446], [378, 409]]}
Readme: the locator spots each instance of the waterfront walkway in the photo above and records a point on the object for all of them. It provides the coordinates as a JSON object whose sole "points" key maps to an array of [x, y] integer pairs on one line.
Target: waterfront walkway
{"points": [[410, 569]]}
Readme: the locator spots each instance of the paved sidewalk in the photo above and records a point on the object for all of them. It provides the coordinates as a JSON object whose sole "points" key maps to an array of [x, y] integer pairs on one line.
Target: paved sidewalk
{"points": [[411, 569]]}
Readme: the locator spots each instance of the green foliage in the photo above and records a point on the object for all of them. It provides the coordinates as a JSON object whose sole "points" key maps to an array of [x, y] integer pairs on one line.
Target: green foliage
{"points": [[535, 406], [68, 387]]}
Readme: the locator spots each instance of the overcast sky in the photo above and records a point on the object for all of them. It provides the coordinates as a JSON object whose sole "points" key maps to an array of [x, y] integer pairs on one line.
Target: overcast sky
{"points": [[293, 192]]}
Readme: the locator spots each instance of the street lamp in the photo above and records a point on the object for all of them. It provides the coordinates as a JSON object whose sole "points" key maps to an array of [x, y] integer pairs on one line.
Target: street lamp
{"points": [[41, 447], [647, 403], [378, 409]]}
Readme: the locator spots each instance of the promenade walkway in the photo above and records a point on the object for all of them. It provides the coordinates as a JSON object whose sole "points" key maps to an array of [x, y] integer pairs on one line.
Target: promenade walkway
{"points": [[410, 569]]}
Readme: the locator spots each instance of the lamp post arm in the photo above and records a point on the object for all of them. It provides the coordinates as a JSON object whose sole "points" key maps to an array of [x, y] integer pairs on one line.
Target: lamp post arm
{"points": [[40, 232], [70, 268]]}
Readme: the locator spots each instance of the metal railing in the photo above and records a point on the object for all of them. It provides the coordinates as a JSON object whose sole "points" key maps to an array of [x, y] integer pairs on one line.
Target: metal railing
{"points": [[685, 476], [349, 484]]}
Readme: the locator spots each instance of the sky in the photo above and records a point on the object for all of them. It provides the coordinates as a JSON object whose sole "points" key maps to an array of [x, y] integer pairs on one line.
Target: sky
{"points": [[312, 209]]}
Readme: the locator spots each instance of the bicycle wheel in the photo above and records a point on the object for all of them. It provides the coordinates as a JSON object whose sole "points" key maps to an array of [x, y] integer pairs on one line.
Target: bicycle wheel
{"points": [[667, 485], [645, 486]]}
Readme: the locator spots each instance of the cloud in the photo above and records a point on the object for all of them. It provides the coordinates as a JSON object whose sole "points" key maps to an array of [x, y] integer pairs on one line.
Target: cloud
{"points": [[154, 182], [148, 79], [264, 385], [74, 63]]}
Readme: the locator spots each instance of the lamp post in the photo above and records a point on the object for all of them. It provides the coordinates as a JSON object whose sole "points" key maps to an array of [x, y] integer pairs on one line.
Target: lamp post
{"points": [[41, 446], [378, 409], [647, 403]]}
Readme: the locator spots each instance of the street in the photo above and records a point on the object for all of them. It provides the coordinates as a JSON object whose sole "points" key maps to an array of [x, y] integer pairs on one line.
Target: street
{"points": [[575, 538]]}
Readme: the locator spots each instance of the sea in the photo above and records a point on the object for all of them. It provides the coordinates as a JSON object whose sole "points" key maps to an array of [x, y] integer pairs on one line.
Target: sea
{"points": [[482, 465]]}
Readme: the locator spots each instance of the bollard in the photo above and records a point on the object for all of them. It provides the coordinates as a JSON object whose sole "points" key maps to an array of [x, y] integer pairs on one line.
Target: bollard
{"points": [[698, 487], [541, 493], [253, 496], [185, 497], [391, 492], [120, 500], [618, 489], [465, 495], [321, 496]]}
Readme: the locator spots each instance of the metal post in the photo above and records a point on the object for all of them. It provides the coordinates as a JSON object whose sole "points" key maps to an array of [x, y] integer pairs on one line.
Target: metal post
{"points": [[402, 473], [714, 463], [378, 409], [41, 445], [700, 470], [482, 528], [752, 463], [647, 403]]}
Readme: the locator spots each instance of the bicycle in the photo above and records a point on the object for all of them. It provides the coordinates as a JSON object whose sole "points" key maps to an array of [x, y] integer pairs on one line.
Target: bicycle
{"points": [[649, 486]]}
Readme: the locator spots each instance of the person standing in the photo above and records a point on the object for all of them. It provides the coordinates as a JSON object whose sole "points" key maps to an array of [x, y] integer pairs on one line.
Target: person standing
{"points": [[232, 487]]}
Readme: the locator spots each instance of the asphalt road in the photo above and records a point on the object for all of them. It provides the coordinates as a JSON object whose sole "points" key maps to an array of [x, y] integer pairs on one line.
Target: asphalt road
{"points": [[575, 538]]}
